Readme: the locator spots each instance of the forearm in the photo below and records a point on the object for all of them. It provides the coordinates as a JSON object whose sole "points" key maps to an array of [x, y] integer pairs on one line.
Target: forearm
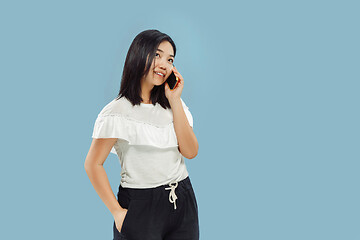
{"points": [[188, 144], [100, 182]]}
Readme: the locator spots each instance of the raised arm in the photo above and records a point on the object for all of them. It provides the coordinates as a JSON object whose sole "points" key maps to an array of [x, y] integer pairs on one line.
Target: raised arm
{"points": [[188, 144]]}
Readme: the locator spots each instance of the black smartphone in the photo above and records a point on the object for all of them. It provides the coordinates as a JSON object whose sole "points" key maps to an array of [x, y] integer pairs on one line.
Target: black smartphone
{"points": [[172, 81]]}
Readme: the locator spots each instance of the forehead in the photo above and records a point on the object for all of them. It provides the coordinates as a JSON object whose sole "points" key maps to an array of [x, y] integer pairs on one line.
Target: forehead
{"points": [[166, 48]]}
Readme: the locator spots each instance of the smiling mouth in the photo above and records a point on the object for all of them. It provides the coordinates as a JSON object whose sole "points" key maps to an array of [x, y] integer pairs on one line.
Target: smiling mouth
{"points": [[157, 74]]}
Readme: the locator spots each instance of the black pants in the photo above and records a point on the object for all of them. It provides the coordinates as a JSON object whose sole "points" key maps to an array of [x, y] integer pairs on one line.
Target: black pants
{"points": [[159, 213]]}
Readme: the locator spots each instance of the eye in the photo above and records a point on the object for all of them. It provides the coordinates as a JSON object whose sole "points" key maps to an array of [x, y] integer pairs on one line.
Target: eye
{"points": [[172, 60]]}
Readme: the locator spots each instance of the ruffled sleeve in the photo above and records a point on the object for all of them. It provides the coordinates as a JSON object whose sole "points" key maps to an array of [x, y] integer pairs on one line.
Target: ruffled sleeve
{"points": [[110, 126], [115, 122], [151, 126], [188, 114]]}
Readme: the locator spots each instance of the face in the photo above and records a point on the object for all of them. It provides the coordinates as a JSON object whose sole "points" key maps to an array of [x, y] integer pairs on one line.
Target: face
{"points": [[162, 63]]}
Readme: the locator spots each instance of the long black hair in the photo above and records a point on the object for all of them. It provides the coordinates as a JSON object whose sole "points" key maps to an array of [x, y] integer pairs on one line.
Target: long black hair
{"points": [[143, 47]]}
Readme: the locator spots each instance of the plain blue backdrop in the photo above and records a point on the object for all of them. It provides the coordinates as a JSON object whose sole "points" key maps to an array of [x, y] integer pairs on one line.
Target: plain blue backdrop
{"points": [[273, 87]]}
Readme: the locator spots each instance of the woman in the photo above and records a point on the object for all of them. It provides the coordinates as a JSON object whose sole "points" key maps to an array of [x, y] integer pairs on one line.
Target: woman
{"points": [[149, 127]]}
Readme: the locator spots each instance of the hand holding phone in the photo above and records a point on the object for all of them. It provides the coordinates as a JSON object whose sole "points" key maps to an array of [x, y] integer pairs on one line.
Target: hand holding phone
{"points": [[175, 85], [172, 80]]}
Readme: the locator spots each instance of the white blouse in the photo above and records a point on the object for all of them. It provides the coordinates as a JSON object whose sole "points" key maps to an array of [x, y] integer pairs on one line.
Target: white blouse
{"points": [[147, 146]]}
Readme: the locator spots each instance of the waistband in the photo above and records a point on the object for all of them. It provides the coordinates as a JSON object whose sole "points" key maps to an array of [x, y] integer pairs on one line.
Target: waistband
{"points": [[145, 193]]}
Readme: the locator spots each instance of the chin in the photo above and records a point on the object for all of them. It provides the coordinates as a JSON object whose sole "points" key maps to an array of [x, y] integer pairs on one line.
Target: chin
{"points": [[158, 83]]}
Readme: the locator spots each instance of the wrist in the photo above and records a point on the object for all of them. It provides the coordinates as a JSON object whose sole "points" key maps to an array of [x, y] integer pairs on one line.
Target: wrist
{"points": [[174, 100], [116, 211]]}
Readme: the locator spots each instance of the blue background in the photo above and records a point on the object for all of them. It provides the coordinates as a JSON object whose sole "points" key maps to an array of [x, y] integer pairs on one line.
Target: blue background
{"points": [[273, 87]]}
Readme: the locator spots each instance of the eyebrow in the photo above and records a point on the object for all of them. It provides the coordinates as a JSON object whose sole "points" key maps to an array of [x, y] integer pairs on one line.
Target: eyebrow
{"points": [[163, 51]]}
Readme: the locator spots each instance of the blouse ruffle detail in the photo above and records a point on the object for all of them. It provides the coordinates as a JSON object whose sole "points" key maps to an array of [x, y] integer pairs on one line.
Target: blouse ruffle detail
{"points": [[134, 131]]}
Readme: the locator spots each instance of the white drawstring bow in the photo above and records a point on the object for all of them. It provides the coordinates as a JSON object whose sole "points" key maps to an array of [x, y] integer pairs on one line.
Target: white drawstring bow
{"points": [[172, 195]]}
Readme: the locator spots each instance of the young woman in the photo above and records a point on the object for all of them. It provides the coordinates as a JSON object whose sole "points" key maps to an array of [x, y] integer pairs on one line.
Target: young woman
{"points": [[149, 127]]}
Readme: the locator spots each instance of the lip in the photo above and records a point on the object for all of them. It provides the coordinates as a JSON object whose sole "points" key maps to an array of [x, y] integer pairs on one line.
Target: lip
{"points": [[159, 72]]}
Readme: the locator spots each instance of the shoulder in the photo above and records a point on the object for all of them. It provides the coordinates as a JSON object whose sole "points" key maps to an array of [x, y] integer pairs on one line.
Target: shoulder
{"points": [[116, 106]]}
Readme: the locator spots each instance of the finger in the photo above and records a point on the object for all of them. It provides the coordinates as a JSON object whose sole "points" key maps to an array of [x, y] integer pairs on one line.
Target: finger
{"points": [[178, 77], [180, 80], [177, 74], [181, 76], [175, 71]]}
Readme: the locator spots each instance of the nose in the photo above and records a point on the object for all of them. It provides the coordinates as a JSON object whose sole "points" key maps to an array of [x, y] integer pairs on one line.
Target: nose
{"points": [[162, 64]]}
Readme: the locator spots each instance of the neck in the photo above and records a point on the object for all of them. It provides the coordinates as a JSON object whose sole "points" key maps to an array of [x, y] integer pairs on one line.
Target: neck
{"points": [[145, 91]]}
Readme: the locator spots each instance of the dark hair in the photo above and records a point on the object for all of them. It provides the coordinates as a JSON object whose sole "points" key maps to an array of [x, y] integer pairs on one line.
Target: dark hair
{"points": [[143, 46]]}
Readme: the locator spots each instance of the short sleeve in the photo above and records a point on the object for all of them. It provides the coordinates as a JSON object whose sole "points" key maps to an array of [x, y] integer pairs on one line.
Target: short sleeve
{"points": [[117, 120], [188, 114], [110, 126]]}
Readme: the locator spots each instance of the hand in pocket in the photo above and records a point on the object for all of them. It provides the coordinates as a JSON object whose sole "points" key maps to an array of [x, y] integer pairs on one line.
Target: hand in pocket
{"points": [[119, 218]]}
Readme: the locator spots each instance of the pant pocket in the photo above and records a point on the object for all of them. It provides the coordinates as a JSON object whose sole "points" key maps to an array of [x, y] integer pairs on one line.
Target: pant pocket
{"points": [[127, 218], [121, 235], [118, 235], [125, 202]]}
